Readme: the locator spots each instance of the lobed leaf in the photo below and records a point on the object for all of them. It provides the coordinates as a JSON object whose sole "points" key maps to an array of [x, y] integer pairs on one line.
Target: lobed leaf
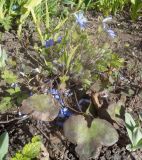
{"points": [[9, 77], [89, 140], [30, 150], [5, 104], [41, 107]]}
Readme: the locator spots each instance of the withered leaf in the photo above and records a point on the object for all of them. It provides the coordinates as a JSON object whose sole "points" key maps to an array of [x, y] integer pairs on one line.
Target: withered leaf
{"points": [[89, 140], [41, 107]]}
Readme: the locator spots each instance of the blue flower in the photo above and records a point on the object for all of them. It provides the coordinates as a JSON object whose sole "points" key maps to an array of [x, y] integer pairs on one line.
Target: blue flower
{"points": [[49, 43], [111, 33], [56, 95], [59, 39], [54, 91], [80, 19], [14, 85], [31, 94], [64, 112]]}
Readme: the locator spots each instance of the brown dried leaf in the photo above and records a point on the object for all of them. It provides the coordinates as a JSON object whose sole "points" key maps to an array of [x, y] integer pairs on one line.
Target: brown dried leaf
{"points": [[95, 99]]}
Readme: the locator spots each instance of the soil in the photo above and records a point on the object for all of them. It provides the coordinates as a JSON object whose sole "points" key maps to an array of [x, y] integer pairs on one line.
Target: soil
{"points": [[129, 46]]}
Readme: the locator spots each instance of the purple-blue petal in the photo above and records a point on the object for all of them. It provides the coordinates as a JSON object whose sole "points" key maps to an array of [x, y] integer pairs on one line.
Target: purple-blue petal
{"points": [[49, 43], [59, 39], [111, 33], [64, 112], [80, 19], [31, 94]]}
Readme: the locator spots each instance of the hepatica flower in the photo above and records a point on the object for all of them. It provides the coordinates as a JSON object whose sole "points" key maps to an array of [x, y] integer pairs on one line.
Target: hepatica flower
{"points": [[64, 111], [31, 94], [14, 85], [49, 43], [110, 32], [80, 20], [59, 39]]}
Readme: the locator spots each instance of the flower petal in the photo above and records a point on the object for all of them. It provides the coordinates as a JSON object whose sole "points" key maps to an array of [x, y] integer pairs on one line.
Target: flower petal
{"points": [[49, 43]]}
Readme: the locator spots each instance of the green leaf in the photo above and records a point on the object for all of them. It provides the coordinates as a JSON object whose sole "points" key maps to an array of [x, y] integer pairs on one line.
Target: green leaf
{"points": [[137, 135], [140, 117], [64, 78], [118, 108], [9, 77], [32, 4], [134, 133], [19, 156], [60, 24], [130, 125], [5, 104], [129, 120], [133, 1], [69, 2], [42, 107], [30, 150], [47, 15], [4, 142], [139, 144], [3, 57], [36, 139], [12, 91], [90, 139], [23, 18], [116, 111]]}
